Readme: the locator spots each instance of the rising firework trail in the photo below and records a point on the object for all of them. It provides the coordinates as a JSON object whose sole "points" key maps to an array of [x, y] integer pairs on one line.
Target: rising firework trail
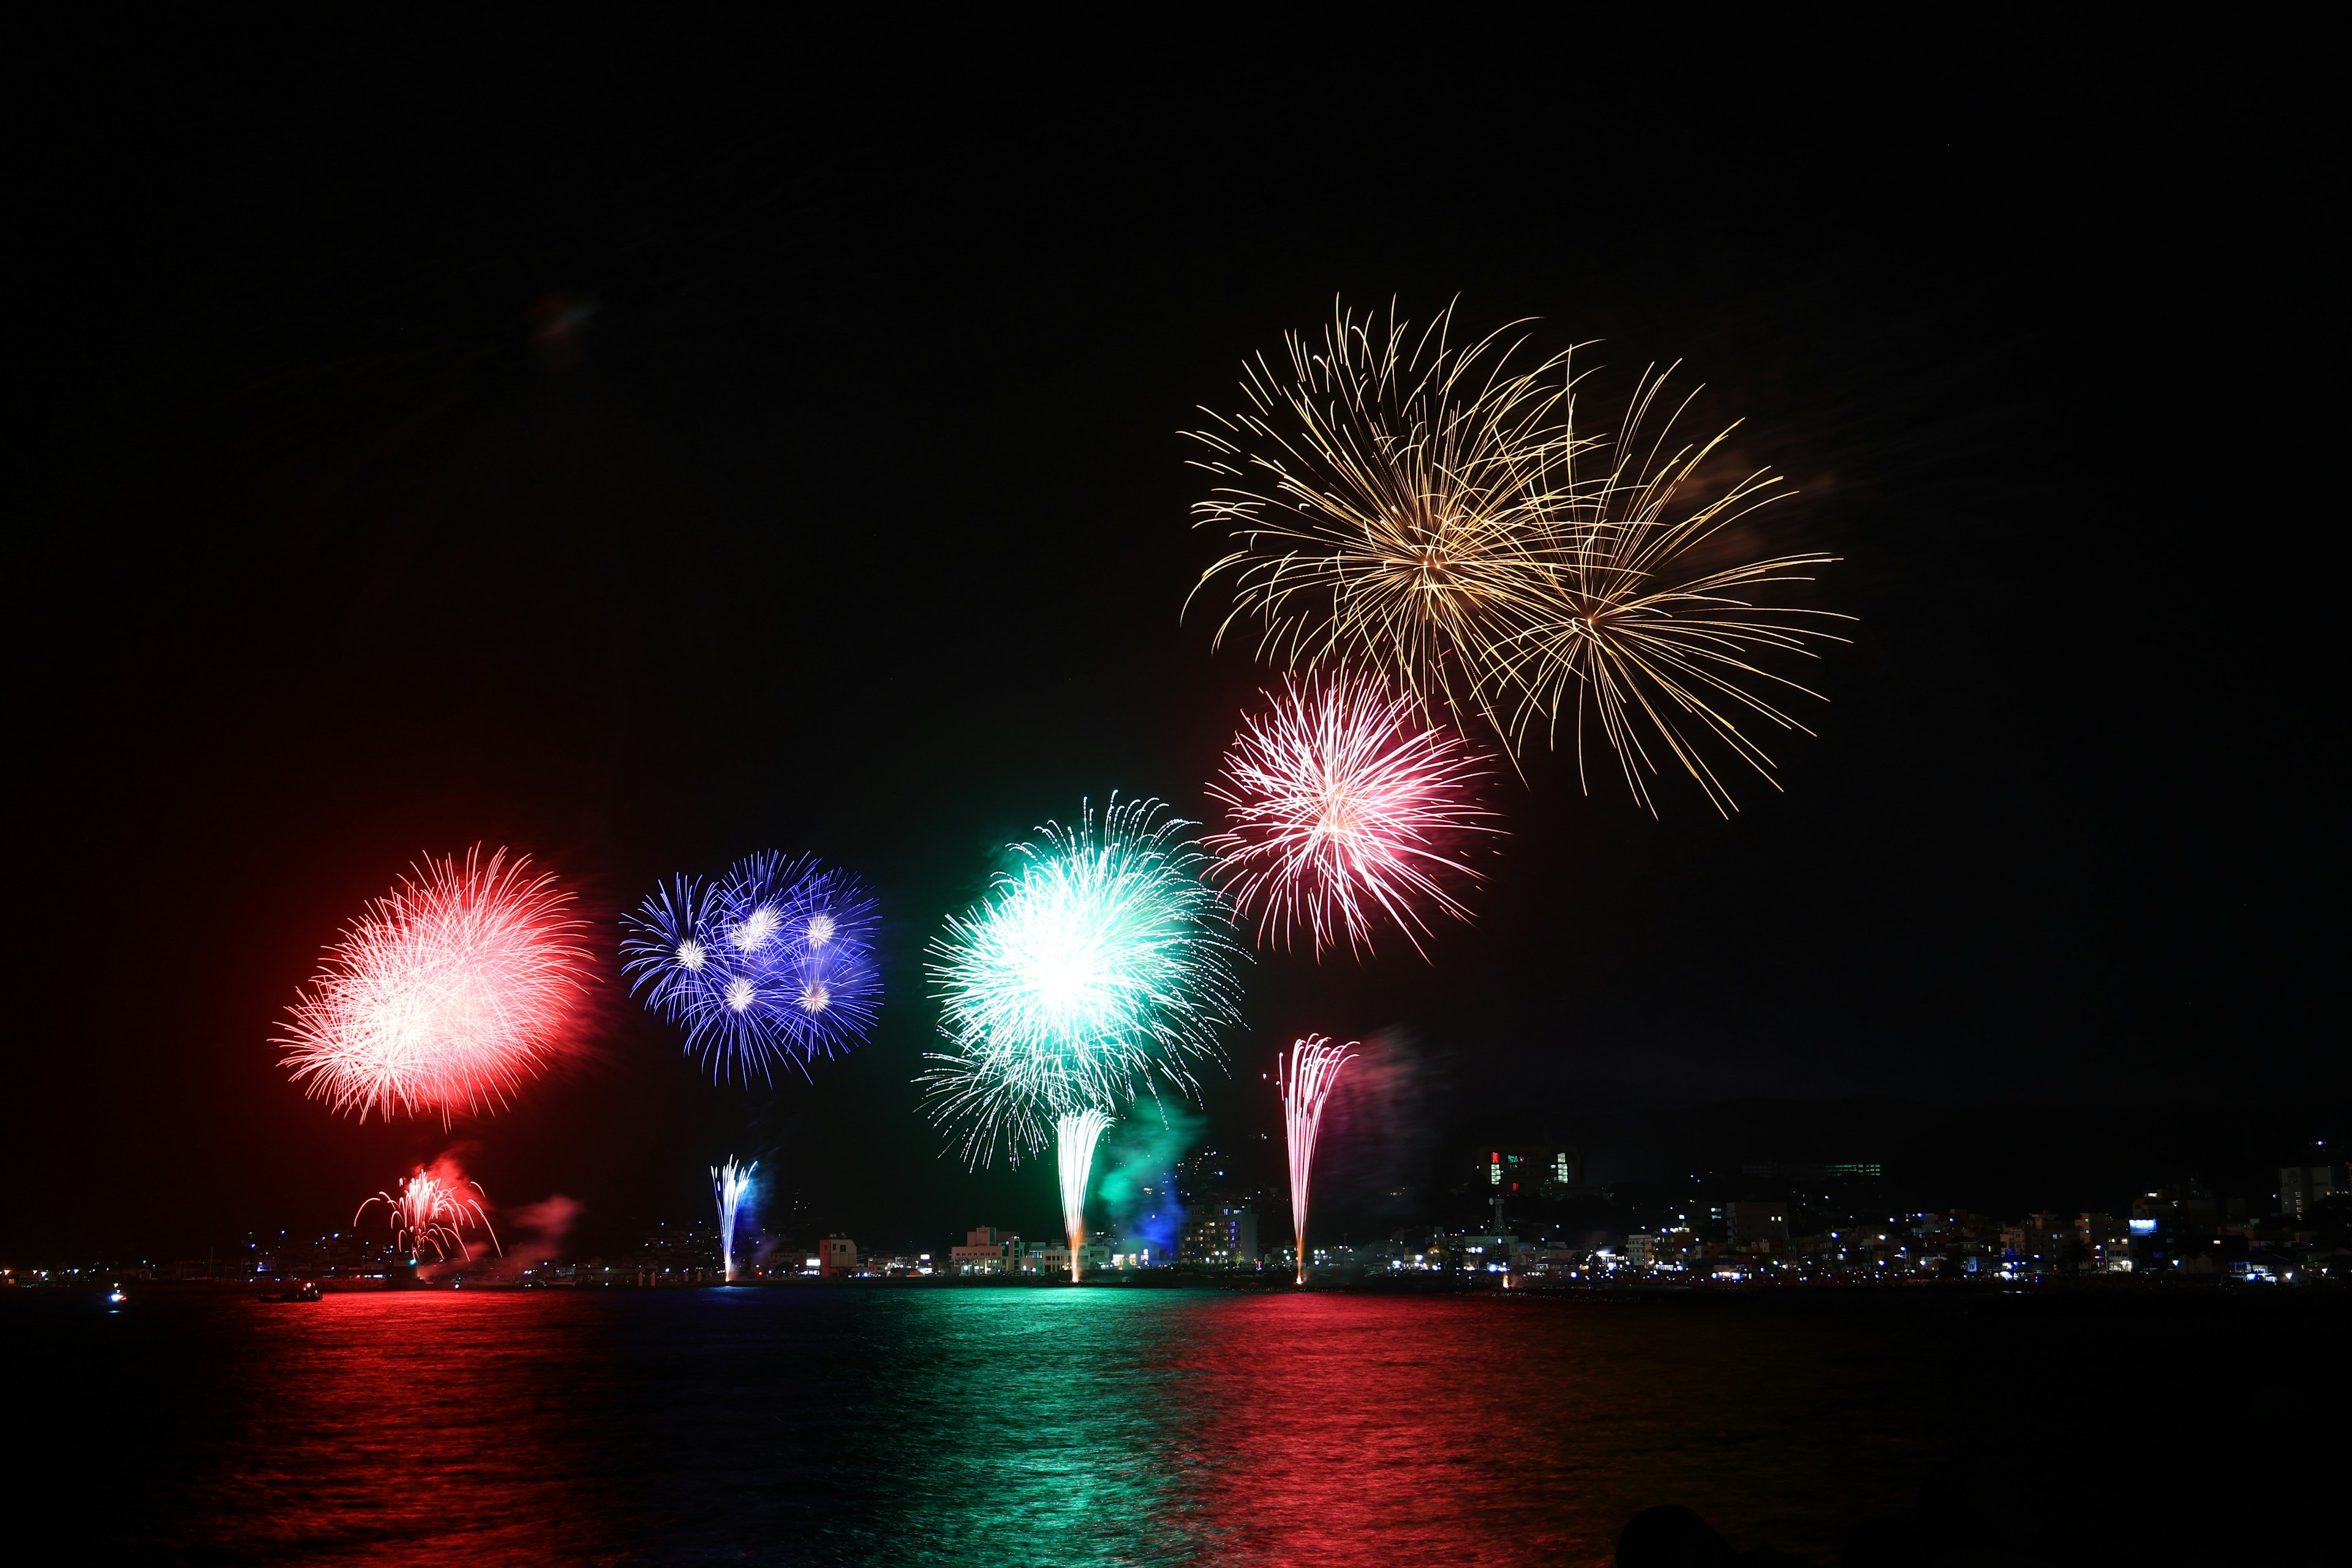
{"points": [[1076, 1133], [445, 995], [1345, 809], [433, 1210], [1099, 969], [770, 965], [1307, 1077], [728, 1183]]}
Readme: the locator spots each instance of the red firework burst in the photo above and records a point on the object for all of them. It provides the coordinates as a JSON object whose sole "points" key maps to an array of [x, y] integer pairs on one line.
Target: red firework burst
{"points": [[448, 993], [1344, 806]]}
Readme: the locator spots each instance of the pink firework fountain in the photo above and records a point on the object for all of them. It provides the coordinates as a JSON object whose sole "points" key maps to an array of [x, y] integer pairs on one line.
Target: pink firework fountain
{"points": [[1346, 812], [1307, 1077], [433, 1212]]}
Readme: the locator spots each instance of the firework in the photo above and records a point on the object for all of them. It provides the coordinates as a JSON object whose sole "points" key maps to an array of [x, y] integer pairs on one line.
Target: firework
{"points": [[1401, 505], [1651, 620], [728, 1183], [1386, 500], [1099, 969], [1307, 1077], [771, 963], [447, 995], [1343, 805], [433, 1210], [1076, 1133]]}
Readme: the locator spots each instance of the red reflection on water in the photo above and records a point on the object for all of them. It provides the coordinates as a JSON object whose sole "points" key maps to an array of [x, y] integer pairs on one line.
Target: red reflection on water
{"points": [[1330, 1428], [1344, 1429], [413, 1428]]}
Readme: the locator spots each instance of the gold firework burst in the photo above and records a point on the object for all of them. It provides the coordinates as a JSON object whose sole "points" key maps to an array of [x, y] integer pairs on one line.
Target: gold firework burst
{"points": [[1401, 504], [1385, 497], [1651, 619]]}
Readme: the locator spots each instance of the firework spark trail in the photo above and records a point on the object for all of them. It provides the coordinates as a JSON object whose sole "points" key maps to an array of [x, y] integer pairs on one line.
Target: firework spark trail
{"points": [[447, 995], [1098, 969], [1385, 497], [1638, 624], [1401, 505], [433, 1210], [1341, 803], [1076, 1133], [1307, 1077], [770, 964], [728, 1183]]}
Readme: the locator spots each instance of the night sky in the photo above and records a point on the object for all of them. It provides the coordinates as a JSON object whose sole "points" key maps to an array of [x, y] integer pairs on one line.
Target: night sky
{"points": [[854, 519]]}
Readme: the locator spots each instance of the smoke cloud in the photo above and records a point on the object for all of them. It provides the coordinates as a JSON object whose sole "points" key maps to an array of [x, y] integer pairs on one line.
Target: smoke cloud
{"points": [[1137, 1186]]}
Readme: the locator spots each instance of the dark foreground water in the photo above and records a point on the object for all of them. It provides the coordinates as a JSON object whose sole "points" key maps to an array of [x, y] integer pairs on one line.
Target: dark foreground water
{"points": [[1058, 1426]]}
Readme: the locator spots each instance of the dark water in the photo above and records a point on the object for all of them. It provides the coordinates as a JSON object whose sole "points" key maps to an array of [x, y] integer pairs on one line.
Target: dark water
{"points": [[1057, 1427]]}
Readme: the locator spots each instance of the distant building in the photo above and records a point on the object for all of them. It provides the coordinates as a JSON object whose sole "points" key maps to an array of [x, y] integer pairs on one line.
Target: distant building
{"points": [[1542, 1170], [1753, 1224], [836, 1255], [985, 1251], [1141, 1252], [1221, 1236], [1054, 1257], [2300, 1186]]}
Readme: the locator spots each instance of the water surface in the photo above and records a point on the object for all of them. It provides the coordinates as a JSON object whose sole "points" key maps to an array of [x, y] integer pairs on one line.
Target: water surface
{"points": [[1056, 1426]]}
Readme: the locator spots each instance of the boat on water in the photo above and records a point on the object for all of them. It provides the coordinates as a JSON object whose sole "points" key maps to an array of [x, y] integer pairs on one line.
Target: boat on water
{"points": [[305, 1292]]}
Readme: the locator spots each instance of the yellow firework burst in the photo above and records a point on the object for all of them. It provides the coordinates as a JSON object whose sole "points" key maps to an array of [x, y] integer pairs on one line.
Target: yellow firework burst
{"points": [[1384, 497], [1653, 616], [1401, 504]]}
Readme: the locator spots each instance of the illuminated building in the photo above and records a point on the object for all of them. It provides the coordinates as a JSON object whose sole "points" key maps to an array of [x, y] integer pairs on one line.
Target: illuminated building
{"points": [[986, 1251], [836, 1255], [2300, 1186], [1222, 1235]]}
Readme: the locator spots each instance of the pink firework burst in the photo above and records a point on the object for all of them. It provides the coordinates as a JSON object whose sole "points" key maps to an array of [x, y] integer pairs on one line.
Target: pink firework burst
{"points": [[447, 995], [1346, 809]]}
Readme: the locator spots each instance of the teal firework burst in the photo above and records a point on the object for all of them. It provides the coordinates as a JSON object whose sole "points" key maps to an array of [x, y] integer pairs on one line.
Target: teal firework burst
{"points": [[1101, 967]]}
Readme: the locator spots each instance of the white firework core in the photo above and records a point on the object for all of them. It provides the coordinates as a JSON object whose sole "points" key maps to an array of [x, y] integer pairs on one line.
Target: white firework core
{"points": [[757, 928], [820, 930], [814, 997], [738, 993], [690, 954]]}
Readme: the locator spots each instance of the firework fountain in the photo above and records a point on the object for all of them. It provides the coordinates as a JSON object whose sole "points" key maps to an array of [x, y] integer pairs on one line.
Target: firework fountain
{"points": [[433, 1210], [1344, 805], [772, 964], [1307, 1077], [445, 995], [728, 1183], [1075, 1134], [1098, 970]]}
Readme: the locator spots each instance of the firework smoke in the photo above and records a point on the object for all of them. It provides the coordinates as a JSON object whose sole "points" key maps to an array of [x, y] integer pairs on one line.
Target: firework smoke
{"points": [[728, 1183], [1098, 970], [1076, 1133], [1342, 804], [447, 995], [770, 964], [1307, 1077], [434, 1211]]}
